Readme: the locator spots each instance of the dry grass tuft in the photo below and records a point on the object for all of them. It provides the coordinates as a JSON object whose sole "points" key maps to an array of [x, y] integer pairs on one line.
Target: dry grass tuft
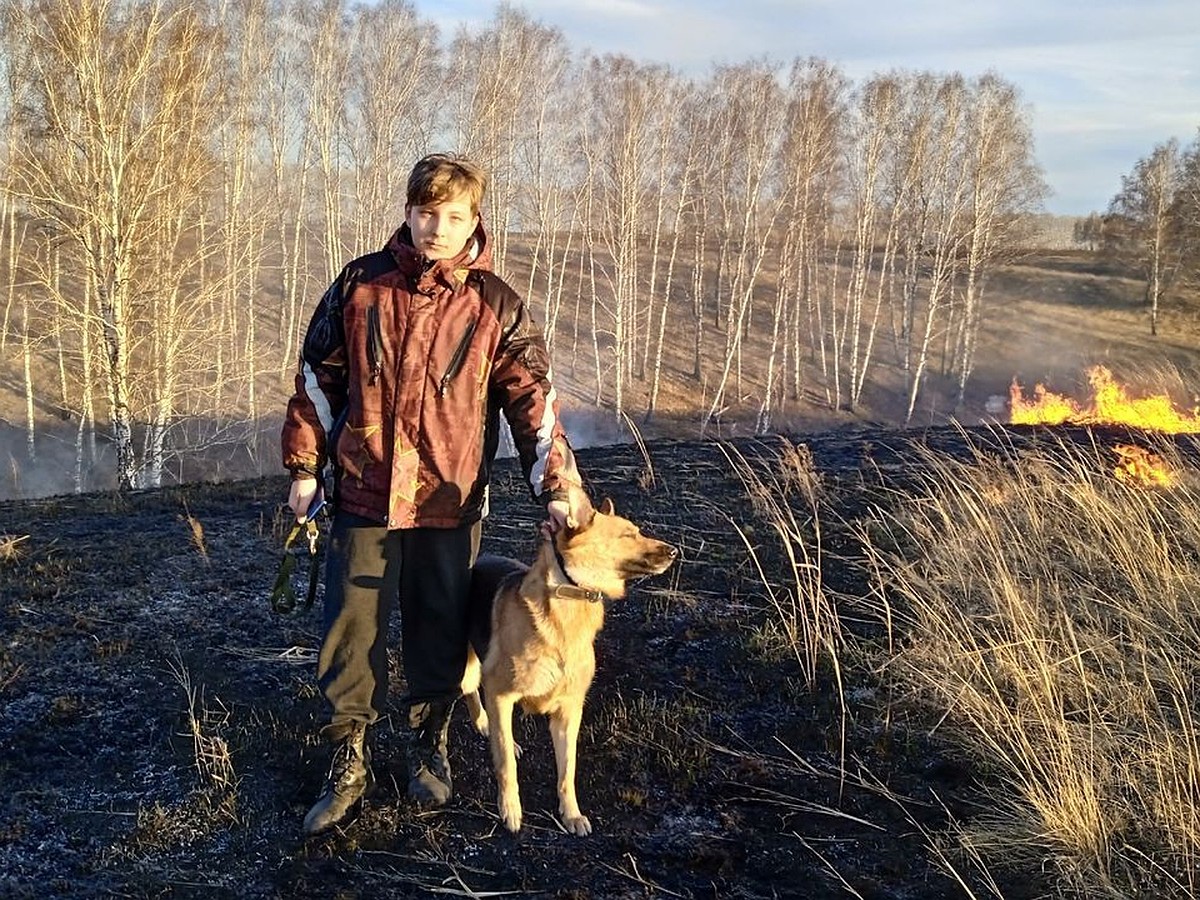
{"points": [[282, 522], [784, 492], [196, 530], [1046, 617], [645, 478], [802, 616], [211, 754], [658, 735], [10, 547]]}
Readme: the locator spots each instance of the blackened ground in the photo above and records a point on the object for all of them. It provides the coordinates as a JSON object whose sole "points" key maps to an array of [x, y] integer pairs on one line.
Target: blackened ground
{"points": [[159, 724]]}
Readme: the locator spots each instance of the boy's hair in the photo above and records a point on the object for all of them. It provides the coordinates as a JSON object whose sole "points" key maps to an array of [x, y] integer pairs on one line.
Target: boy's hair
{"points": [[441, 176]]}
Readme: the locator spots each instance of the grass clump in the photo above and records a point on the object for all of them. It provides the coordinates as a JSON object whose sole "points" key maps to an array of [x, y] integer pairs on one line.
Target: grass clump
{"points": [[11, 547], [784, 489], [662, 734], [218, 780], [1045, 618]]}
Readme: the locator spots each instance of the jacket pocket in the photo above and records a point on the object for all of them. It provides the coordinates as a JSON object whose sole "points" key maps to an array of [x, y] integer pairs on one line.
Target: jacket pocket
{"points": [[374, 343], [458, 358]]}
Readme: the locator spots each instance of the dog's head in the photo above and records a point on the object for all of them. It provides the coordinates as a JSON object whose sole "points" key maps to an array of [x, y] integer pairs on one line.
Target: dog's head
{"points": [[601, 550]]}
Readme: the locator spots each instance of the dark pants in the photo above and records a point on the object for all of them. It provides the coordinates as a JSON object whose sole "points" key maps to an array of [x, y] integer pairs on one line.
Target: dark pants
{"points": [[369, 567]]}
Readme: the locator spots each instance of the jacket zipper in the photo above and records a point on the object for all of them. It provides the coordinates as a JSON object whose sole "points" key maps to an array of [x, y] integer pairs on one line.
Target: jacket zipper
{"points": [[374, 343], [460, 355]]}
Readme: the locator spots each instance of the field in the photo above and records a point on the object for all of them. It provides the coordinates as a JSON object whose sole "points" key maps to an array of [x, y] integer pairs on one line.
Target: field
{"points": [[766, 721], [952, 661]]}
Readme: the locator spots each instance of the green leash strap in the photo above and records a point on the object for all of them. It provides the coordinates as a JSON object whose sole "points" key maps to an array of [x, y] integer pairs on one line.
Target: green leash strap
{"points": [[283, 594]]}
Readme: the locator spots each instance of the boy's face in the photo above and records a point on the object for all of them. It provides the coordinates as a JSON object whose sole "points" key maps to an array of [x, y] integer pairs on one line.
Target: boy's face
{"points": [[441, 230]]}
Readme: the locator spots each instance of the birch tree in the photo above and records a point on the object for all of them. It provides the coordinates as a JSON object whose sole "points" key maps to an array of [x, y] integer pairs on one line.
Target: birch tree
{"points": [[115, 151], [942, 198], [389, 112], [853, 315], [548, 174], [623, 102], [284, 90], [1005, 188], [812, 170], [243, 213], [1151, 233], [681, 151], [1187, 212], [10, 226], [328, 31], [910, 194], [749, 132], [495, 83]]}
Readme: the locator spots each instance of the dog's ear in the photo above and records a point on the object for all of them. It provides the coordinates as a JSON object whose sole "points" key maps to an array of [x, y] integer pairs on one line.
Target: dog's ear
{"points": [[606, 507], [581, 510]]}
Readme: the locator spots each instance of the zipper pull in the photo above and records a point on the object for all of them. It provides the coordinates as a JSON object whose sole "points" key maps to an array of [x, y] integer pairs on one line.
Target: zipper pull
{"points": [[456, 361]]}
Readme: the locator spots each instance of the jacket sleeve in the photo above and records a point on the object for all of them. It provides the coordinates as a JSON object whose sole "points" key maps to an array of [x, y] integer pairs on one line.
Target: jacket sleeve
{"points": [[521, 376], [321, 387]]}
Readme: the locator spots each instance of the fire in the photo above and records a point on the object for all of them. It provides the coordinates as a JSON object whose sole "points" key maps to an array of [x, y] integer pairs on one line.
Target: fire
{"points": [[1141, 467], [1110, 405]]}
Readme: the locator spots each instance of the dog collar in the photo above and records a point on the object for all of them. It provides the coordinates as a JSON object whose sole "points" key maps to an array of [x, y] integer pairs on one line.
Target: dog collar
{"points": [[575, 592], [571, 590]]}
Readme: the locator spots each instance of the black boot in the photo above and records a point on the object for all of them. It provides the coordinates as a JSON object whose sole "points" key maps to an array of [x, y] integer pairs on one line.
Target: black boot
{"points": [[350, 777], [428, 763]]}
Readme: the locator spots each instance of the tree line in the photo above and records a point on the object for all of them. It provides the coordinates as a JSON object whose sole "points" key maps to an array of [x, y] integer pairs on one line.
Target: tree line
{"points": [[180, 179], [1153, 222]]}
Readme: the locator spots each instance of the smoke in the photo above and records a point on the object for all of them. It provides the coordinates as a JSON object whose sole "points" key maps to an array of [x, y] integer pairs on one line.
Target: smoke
{"points": [[51, 469], [585, 427]]}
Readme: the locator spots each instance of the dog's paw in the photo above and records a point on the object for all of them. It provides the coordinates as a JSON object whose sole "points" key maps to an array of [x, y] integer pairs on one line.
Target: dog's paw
{"points": [[510, 812], [481, 723], [577, 825]]}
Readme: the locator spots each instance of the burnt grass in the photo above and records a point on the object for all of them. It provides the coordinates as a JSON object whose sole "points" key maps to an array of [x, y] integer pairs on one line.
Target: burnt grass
{"points": [[159, 723]]}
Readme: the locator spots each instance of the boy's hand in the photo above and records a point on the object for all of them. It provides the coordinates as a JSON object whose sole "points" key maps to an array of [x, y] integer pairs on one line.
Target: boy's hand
{"points": [[301, 495], [557, 512]]}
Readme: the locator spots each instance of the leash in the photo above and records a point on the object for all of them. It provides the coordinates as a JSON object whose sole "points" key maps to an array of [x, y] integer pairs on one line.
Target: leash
{"points": [[571, 590], [283, 593]]}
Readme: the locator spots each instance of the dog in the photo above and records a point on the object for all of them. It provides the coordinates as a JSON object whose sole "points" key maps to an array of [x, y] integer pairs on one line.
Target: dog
{"points": [[534, 629]]}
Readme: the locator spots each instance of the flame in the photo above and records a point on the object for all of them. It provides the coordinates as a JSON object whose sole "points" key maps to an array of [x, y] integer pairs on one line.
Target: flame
{"points": [[1111, 405], [1143, 468]]}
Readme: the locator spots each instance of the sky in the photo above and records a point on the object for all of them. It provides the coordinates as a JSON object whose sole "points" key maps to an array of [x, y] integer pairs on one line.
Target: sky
{"points": [[1105, 81]]}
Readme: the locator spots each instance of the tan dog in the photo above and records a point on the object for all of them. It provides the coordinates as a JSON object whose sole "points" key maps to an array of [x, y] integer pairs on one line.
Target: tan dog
{"points": [[543, 623]]}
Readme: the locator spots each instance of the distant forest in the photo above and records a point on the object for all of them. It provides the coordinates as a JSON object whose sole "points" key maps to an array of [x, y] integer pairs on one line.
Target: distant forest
{"points": [[180, 179]]}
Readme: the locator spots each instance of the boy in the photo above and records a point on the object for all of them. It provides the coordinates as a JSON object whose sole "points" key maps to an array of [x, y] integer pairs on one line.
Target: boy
{"points": [[410, 355]]}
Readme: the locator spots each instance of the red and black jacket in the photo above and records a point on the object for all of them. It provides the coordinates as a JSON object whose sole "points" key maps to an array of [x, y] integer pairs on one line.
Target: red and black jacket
{"points": [[406, 365]]}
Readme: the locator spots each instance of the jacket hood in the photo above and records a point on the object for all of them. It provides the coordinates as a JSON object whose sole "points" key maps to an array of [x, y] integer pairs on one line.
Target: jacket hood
{"points": [[428, 276]]}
